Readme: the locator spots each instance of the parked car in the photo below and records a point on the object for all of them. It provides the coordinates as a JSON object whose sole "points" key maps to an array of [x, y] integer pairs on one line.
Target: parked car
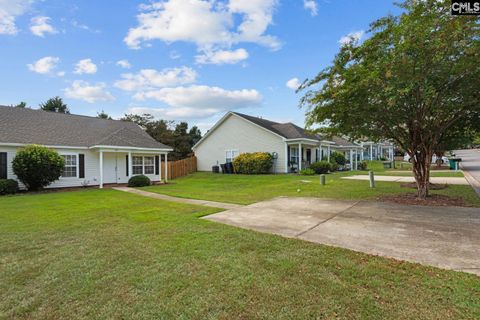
{"points": [[434, 159]]}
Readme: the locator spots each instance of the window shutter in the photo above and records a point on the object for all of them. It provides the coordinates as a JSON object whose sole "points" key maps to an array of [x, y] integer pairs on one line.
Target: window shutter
{"points": [[157, 165], [288, 155], [81, 166], [3, 165], [127, 165]]}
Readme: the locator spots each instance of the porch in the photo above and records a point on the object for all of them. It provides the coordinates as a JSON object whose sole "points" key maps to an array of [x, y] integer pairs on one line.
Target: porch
{"points": [[302, 153]]}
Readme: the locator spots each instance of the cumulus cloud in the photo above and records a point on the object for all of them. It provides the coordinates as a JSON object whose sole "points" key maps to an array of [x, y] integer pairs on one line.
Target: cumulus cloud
{"points": [[197, 101], [352, 36], [148, 79], [311, 5], [44, 65], [293, 83], [82, 90], [85, 66], [9, 11], [124, 64], [40, 25], [211, 25], [222, 57]]}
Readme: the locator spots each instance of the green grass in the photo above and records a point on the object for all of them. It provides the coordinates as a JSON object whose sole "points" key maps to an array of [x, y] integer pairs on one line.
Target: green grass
{"points": [[247, 189], [103, 254]]}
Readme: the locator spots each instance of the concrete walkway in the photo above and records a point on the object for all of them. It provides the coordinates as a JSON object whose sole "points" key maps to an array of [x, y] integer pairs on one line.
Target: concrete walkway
{"points": [[214, 204], [437, 180], [445, 237]]}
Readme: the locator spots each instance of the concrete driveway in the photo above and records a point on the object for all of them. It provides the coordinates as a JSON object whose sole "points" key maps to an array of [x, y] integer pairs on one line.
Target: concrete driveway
{"points": [[446, 237]]}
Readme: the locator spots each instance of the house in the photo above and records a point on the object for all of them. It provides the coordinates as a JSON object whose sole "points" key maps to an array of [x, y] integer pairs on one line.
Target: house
{"points": [[294, 148], [96, 151]]}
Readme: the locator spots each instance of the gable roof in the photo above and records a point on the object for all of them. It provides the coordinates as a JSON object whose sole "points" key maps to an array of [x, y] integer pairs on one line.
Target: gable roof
{"points": [[30, 126], [286, 130], [341, 142]]}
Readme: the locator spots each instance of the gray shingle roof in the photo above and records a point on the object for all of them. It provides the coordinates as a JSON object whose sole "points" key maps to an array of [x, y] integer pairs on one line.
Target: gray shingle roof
{"points": [[341, 142], [29, 126], [286, 130]]}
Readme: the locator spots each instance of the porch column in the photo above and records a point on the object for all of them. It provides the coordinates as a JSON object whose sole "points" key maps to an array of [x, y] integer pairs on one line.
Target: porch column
{"points": [[130, 173], [356, 159], [286, 158], [101, 168], [300, 156], [166, 167], [160, 167], [351, 160], [328, 153], [371, 152]]}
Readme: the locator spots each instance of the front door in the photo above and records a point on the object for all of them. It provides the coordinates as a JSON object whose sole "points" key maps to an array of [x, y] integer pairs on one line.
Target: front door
{"points": [[110, 168], [309, 156]]}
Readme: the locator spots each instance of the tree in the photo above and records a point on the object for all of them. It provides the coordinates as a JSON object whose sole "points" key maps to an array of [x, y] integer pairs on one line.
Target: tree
{"points": [[37, 166], [195, 135], [413, 81], [55, 104], [20, 105], [103, 115]]}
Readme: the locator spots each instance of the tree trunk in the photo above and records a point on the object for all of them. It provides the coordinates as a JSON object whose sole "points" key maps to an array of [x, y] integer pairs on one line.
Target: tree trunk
{"points": [[421, 170]]}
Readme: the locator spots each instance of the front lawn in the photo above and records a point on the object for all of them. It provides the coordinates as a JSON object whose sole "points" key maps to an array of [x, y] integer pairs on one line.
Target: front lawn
{"points": [[103, 254], [246, 189]]}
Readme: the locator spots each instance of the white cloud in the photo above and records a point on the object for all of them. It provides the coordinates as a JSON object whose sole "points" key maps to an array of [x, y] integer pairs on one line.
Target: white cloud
{"points": [[9, 11], [124, 64], [222, 57], [44, 65], [61, 73], [311, 5], [82, 90], [85, 66], [148, 79], [39, 26], [197, 101], [293, 83], [211, 25], [352, 36]]}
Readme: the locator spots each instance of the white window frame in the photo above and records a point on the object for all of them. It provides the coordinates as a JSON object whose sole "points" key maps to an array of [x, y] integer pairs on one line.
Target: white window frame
{"points": [[152, 165], [231, 154], [137, 165], [143, 165], [76, 165], [296, 157]]}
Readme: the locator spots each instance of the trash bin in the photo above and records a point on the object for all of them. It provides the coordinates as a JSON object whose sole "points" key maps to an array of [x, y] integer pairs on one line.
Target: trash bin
{"points": [[215, 169], [453, 163], [223, 165], [229, 167]]}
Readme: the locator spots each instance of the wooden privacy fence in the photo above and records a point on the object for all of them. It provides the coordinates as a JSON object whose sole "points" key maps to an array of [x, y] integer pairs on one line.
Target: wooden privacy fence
{"points": [[179, 168]]}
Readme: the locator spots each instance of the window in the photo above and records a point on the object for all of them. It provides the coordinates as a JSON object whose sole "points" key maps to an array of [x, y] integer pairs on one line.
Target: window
{"points": [[149, 165], [70, 169], [230, 155], [137, 165], [294, 155]]}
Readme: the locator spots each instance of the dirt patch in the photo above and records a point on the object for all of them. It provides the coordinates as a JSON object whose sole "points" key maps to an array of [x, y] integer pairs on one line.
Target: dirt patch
{"points": [[433, 186], [432, 200]]}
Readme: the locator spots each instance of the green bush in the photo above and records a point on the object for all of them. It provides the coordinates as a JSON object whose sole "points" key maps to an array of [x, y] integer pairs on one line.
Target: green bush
{"points": [[321, 167], [307, 172], [139, 181], [37, 166], [333, 166], [8, 186], [362, 165], [253, 163], [338, 158]]}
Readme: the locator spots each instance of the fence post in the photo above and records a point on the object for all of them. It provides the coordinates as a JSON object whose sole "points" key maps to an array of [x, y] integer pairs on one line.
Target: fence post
{"points": [[322, 179], [372, 179]]}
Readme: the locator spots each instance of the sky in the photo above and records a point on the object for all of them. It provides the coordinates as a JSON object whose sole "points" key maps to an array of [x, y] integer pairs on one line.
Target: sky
{"points": [[182, 60]]}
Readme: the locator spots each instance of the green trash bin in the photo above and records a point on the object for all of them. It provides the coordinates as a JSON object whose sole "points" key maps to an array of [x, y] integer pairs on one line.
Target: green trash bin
{"points": [[453, 163]]}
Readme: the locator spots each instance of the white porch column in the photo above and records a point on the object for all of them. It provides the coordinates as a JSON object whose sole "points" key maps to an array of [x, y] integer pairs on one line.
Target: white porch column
{"points": [[351, 160], [166, 167], [328, 153], [286, 158], [356, 159], [101, 168], [160, 167], [130, 173], [371, 152], [300, 156]]}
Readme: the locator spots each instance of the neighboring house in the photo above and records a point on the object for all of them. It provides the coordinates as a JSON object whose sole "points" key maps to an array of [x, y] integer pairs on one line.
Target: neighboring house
{"points": [[96, 151], [295, 148], [377, 150]]}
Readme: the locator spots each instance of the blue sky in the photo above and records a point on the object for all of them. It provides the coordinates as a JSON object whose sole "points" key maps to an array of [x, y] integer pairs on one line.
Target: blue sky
{"points": [[178, 59]]}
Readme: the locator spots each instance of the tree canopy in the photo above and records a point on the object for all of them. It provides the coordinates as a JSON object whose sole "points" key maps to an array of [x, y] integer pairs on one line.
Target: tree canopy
{"points": [[55, 104], [413, 81], [103, 115]]}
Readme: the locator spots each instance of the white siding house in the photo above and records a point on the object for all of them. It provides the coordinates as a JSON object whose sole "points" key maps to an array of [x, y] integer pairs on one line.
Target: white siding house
{"points": [[96, 151]]}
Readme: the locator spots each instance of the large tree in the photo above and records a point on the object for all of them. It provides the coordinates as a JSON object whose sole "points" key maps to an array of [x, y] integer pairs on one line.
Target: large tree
{"points": [[55, 104], [415, 80]]}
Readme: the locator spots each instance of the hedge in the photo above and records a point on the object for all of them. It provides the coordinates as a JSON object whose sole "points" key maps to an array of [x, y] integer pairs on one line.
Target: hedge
{"points": [[321, 167], [139, 181], [253, 163], [8, 186], [338, 158]]}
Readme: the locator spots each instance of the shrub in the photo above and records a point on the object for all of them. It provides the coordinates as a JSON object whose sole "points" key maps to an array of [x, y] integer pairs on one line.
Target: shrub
{"points": [[321, 167], [253, 163], [139, 181], [338, 158], [8, 186], [362, 165], [333, 166], [37, 166], [307, 172]]}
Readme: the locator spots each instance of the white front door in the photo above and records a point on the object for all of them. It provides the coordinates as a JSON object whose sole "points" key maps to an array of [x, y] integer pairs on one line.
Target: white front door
{"points": [[110, 168]]}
